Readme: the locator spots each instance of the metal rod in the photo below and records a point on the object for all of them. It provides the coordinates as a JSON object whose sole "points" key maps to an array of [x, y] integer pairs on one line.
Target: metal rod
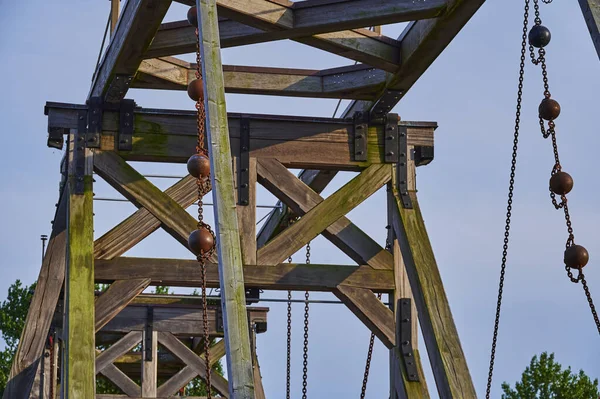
{"points": [[275, 300], [163, 176], [205, 203], [43, 237]]}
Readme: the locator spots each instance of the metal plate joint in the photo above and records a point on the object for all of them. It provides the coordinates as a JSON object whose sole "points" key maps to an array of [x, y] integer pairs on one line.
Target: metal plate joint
{"points": [[361, 133], [126, 121], [390, 134], [148, 352], [79, 153], [94, 121], [244, 163], [402, 167], [404, 324]]}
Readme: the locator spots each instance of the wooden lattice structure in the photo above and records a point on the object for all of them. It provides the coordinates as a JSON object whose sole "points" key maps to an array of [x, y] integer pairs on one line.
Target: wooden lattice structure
{"points": [[108, 131]]}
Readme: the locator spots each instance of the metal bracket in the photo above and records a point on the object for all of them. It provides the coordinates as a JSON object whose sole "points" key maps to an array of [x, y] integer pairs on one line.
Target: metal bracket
{"points": [[117, 88], [391, 138], [244, 163], [385, 104], [252, 295], [56, 137], [405, 327], [423, 155], [79, 152], [94, 115], [148, 335], [219, 319], [402, 167], [125, 135], [361, 131], [260, 326]]}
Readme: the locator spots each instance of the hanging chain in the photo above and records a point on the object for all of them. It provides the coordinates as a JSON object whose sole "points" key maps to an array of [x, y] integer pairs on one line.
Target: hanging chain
{"points": [[305, 348], [511, 187], [203, 187], [289, 343], [551, 132]]}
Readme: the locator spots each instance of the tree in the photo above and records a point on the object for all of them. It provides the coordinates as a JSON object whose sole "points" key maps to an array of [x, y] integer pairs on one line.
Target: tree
{"points": [[544, 378]]}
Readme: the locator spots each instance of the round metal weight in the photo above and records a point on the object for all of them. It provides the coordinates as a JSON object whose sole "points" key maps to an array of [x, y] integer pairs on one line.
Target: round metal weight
{"points": [[199, 166], [195, 90], [549, 109], [576, 256], [201, 241], [192, 16], [539, 36], [561, 183]]}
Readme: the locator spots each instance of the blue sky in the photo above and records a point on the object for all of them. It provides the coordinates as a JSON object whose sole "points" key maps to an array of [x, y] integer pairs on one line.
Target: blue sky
{"points": [[49, 52]]}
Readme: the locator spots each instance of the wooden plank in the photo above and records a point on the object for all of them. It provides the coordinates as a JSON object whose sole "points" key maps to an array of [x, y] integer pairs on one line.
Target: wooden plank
{"points": [[371, 311], [132, 185], [142, 223], [311, 18], [235, 322], [122, 346], [137, 26], [352, 82], [185, 273], [247, 213], [150, 368], [121, 380], [115, 9], [41, 309], [116, 298], [591, 14], [191, 359], [104, 396], [258, 385], [79, 282], [301, 199], [437, 325], [324, 214], [360, 45]]}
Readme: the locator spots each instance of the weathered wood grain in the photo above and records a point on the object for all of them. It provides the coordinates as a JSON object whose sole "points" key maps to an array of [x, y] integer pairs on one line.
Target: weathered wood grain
{"points": [[324, 214], [142, 223], [235, 322], [106, 396], [115, 9], [437, 325], [121, 380], [137, 26], [150, 368], [116, 350], [285, 276], [591, 14], [116, 298], [176, 347], [174, 384], [133, 186], [301, 199], [371, 311], [41, 309]]}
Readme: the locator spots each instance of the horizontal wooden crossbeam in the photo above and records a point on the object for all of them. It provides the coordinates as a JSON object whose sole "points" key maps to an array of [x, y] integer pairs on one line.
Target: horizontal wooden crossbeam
{"points": [[170, 136], [352, 82], [285, 276], [360, 45]]}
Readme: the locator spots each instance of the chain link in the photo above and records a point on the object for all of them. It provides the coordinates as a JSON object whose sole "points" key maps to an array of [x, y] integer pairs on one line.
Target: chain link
{"points": [[305, 348], [510, 197], [289, 343], [363, 391]]}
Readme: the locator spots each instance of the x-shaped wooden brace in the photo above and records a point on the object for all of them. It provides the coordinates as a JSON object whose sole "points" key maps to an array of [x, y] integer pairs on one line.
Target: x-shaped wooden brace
{"points": [[326, 216], [157, 208]]}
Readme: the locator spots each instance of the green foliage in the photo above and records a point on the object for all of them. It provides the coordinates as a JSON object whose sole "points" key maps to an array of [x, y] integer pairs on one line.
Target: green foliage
{"points": [[13, 313], [545, 379], [162, 290]]}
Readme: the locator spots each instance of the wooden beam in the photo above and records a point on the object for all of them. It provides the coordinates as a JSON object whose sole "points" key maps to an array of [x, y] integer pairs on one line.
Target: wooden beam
{"points": [[176, 347], [235, 322], [121, 380], [115, 9], [591, 14], [105, 396], [324, 214], [150, 366], [41, 309], [352, 82], [116, 298], [371, 311], [174, 384], [437, 325], [116, 350], [132, 185], [137, 26], [310, 18], [285, 276], [301, 199], [142, 223], [79, 287], [170, 136], [360, 45]]}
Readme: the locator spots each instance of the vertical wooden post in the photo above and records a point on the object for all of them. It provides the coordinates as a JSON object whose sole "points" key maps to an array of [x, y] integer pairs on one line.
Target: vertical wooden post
{"points": [[591, 14], [115, 8], [247, 215], [149, 368], [79, 294], [235, 320]]}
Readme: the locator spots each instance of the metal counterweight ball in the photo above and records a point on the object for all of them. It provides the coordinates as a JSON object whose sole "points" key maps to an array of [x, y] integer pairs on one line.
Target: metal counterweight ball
{"points": [[576, 256], [561, 183], [199, 166], [195, 90], [539, 36], [549, 109], [192, 17], [201, 240]]}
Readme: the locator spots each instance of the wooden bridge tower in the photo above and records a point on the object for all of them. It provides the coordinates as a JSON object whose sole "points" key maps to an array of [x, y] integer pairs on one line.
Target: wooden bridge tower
{"points": [[102, 135]]}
